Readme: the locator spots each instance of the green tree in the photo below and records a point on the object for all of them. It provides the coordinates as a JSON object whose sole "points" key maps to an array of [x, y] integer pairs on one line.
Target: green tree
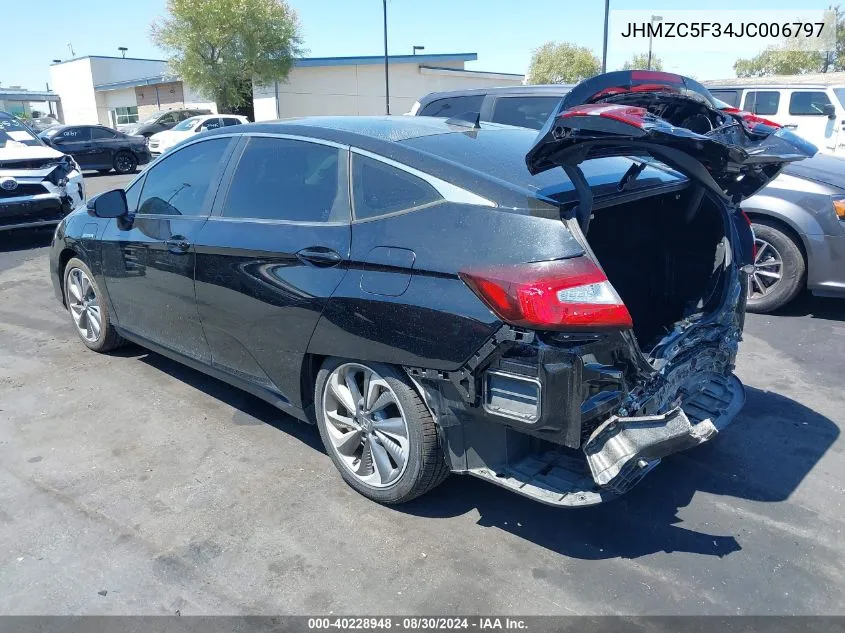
{"points": [[558, 63], [219, 47], [640, 62], [774, 61]]}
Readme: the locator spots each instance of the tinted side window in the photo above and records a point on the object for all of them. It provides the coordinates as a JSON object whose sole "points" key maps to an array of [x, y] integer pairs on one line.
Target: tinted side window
{"points": [[98, 133], [762, 102], [284, 179], [168, 118], [811, 102], [178, 185], [452, 106], [379, 189], [227, 121], [530, 112], [731, 97], [75, 134]]}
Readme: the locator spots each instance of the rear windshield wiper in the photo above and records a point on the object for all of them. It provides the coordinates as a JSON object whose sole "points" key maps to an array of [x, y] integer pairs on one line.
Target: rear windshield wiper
{"points": [[630, 176]]}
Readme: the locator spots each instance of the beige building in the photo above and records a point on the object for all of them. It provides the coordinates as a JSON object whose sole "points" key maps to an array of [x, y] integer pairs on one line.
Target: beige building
{"points": [[118, 91], [355, 85]]}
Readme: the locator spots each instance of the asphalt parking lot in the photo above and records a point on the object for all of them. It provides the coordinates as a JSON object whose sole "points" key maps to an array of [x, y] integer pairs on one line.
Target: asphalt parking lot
{"points": [[130, 484]]}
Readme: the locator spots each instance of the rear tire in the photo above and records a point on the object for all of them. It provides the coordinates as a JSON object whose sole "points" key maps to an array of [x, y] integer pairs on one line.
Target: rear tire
{"points": [[777, 254], [356, 436], [125, 162], [87, 308]]}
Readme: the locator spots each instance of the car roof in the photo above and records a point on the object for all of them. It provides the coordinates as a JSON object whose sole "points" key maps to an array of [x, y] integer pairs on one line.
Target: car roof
{"points": [[549, 90], [361, 131]]}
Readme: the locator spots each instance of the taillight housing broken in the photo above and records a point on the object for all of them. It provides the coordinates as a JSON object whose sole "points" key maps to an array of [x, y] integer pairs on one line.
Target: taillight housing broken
{"points": [[563, 294]]}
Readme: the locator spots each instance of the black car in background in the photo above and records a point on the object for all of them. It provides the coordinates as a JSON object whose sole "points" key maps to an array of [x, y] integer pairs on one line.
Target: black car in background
{"points": [[161, 121], [553, 313], [525, 106], [98, 147]]}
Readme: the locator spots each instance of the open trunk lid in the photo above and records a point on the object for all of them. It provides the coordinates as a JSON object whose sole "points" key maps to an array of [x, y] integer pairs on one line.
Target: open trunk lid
{"points": [[675, 120]]}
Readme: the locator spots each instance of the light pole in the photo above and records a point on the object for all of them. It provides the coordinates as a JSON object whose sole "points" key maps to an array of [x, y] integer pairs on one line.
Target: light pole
{"points": [[654, 18], [604, 45], [417, 48], [386, 76]]}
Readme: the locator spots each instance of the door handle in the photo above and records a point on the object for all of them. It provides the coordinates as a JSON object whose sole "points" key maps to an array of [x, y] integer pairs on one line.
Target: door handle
{"points": [[319, 256], [791, 126], [177, 245]]}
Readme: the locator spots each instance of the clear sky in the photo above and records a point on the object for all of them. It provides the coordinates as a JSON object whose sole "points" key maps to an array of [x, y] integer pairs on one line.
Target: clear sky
{"points": [[502, 32]]}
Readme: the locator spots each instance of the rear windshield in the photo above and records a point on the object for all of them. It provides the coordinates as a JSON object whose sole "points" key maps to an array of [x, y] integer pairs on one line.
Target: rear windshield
{"points": [[501, 154], [13, 132]]}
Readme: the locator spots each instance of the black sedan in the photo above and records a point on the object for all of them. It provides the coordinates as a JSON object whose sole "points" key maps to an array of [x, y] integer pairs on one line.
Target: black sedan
{"points": [[440, 296], [98, 147]]}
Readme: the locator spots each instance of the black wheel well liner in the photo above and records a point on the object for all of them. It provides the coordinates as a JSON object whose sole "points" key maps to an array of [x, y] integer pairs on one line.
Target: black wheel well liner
{"points": [[64, 257], [311, 364]]}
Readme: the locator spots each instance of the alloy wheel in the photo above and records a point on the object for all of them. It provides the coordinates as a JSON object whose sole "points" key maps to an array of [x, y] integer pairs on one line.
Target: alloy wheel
{"points": [[768, 270], [84, 305], [366, 425], [124, 163]]}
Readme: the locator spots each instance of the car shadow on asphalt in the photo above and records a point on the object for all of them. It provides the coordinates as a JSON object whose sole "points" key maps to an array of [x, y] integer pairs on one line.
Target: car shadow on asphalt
{"points": [[807, 304], [763, 456], [26, 239], [771, 447]]}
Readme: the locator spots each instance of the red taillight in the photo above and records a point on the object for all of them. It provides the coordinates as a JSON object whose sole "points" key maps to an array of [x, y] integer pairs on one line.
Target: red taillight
{"points": [[753, 239], [558, 295], [632, 115]]}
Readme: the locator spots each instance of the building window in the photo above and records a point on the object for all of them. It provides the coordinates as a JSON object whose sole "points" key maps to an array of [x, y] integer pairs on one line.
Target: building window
{"points": [[123, 116]]}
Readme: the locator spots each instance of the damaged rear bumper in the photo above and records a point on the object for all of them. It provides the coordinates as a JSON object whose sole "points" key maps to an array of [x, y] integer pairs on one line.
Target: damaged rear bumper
{"points": [[622, 450]]}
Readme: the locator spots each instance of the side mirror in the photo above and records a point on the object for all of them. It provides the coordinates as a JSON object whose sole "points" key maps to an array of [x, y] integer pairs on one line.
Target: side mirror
{"points": [[829, 110], [111, 204]]}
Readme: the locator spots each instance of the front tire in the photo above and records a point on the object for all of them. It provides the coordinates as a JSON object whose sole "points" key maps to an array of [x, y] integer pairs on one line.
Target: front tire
{"points": [[779, 268], [378, 431], [87, 308], [125, 162]]}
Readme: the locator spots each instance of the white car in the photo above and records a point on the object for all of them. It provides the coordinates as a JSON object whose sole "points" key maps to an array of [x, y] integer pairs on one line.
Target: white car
{"points": [[815, 111], [163, 141], [38, 184]]}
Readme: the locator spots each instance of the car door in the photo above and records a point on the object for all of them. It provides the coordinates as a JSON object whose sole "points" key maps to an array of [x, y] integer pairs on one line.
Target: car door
{"points": [[103, 147], [270, 257], [809, 115], [149, 260], [76, 141]]}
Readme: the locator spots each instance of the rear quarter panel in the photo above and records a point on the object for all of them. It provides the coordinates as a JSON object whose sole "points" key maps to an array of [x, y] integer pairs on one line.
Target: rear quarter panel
{"points": [[437, 322]]}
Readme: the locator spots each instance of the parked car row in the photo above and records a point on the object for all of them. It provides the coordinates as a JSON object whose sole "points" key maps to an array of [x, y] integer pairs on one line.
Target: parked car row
{"points": [[552, 312], [38, 184]]}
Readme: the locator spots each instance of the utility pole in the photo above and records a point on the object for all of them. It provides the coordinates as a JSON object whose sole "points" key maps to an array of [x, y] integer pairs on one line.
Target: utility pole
{"points": [[386, 74], [654, 18], [604, 47]]}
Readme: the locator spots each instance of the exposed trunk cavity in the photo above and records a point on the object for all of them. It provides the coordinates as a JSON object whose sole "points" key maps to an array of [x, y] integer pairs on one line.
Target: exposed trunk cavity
{"points": [[665, 256]]}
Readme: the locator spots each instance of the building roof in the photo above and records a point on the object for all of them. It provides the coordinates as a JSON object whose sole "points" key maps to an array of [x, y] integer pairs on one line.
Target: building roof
{"points": [[304, 62], [810, 79], [15, 94]]}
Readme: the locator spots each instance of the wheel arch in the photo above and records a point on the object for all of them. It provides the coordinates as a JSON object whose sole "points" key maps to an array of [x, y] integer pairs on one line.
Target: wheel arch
{"points": [[65, 256], [787, 225]]}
